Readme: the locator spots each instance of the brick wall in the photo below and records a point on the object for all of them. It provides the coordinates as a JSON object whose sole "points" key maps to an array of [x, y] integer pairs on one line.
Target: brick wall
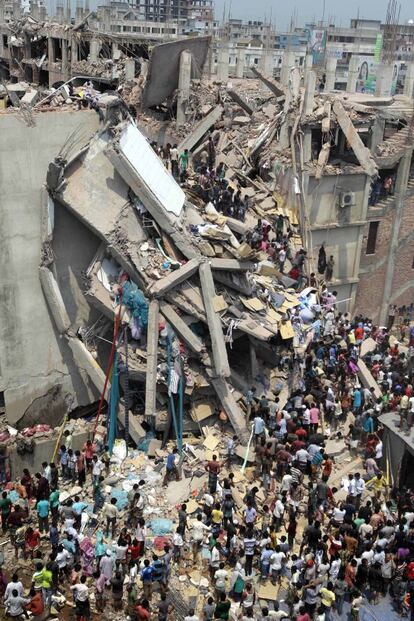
{"points": [[373, 267]]}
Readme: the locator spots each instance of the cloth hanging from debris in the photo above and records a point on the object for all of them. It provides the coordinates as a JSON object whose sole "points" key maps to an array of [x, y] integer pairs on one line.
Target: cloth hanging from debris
{"points": [[134, 300]]}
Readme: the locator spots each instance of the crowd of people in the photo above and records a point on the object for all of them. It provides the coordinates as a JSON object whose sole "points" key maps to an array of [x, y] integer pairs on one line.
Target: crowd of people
{"points": [[356, 546]]}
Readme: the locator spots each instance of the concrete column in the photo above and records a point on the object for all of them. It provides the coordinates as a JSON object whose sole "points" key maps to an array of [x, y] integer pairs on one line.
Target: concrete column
{"points": [[352, 74], [266, 68], [409, 81], [79, 13], [94, 49], [377, 133], [401, 182], [223, 63], [308, 63], [129, 69], [27, 46], [65, 63], [384, 80], [288, 61], [309, 97], [184, 85], [50, 50], [330, 72], [307, 145], [218, 345], [283, 142], [68, 11], [240, 61], [60, 16], [152, 359], [254, 366]]}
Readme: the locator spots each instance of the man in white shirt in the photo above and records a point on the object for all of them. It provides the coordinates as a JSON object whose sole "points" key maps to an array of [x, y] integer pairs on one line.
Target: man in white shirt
{"points": [[14, 584], [338, 516], [198, 531], [276, 564], [278, 512], [359, 488], [220, 577]]}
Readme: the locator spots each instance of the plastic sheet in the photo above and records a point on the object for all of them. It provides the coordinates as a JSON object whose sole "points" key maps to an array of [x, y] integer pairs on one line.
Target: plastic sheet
{"points": [[161, 526], [121, 498]]}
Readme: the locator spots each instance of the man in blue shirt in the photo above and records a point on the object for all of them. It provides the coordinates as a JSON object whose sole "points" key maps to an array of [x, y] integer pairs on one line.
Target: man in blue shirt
{"points": [[42, 509], [259, 427], [171, 467], [147, 575], [357, 402]]}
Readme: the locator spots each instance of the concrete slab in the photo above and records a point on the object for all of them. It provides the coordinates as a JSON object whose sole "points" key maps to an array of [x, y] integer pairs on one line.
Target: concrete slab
{"points": [[200, 129], [164, 67]]}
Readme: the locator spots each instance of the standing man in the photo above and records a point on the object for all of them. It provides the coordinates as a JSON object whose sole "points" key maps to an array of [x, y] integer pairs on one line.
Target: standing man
{"points": [[171, 467]]}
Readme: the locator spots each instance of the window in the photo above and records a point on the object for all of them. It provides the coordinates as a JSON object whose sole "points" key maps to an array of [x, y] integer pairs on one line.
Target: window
{"points": [[372, 237], [412, 265]]}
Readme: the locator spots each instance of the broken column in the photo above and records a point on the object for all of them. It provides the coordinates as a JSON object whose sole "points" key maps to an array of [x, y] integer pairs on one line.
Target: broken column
{"points": [[65, 65], [129, 68], [60, 15], [94, 49], [288, 61], [50, 50], [409, 80], [223, 62], [221, 363], [330, 73], [308, 63], [184, 85], [266, 68], [309, 97], [384, 80], [352, 74], [79, 11], [377, 132], [152, 359], [240, 60]]}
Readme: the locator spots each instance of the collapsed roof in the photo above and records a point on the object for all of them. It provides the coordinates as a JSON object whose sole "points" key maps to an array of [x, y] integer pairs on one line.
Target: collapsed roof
{"points": [[207, 291]]}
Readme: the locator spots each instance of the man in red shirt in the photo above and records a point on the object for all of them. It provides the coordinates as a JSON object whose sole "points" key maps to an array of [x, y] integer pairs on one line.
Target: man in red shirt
{"points": [[89, 449], [303, 615], [142, 611]]}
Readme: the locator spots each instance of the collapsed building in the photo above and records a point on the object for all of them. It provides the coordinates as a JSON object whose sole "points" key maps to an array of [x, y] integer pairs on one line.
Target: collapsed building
{"points": [[135, 268]]}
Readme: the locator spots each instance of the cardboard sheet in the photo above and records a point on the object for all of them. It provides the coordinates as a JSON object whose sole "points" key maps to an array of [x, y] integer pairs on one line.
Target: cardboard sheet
{"points": [[286, 330]]}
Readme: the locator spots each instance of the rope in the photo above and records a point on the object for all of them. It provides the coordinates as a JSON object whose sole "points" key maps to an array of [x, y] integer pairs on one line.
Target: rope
{"points": [[126, 390], [110, 363]]}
